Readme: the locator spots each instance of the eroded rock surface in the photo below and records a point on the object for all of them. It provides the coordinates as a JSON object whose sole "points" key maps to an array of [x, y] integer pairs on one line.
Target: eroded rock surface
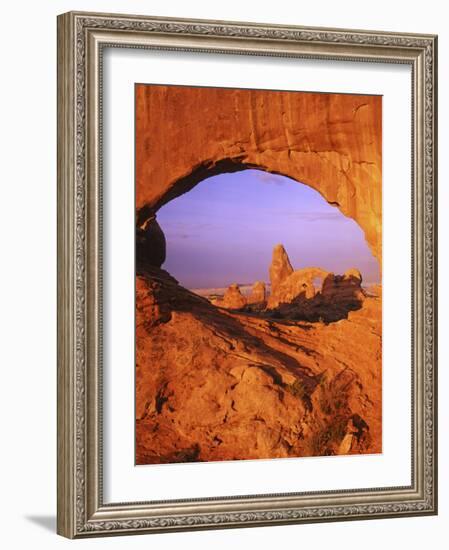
{"points": [[280, 268], [331, 142], [233, 298], [214, 384], [302, 282], [312, 294], [258, 294]]}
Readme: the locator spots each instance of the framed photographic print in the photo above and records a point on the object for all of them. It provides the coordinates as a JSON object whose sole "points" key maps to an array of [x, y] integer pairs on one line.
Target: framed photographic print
{"points": [[246, 274]]}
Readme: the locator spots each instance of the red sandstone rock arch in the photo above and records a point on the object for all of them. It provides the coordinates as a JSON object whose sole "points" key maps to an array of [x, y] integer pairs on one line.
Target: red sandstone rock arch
{"points": [[330, 142]]}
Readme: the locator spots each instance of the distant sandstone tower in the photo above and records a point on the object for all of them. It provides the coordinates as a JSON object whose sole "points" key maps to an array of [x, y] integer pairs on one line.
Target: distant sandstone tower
{"points": [[258, 293], [280, 268], [233, 298], [314, 285]]}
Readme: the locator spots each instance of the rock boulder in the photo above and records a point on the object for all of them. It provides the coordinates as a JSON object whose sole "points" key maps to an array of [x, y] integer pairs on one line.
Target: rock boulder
{"points": [[258, 293], [233, 298]]}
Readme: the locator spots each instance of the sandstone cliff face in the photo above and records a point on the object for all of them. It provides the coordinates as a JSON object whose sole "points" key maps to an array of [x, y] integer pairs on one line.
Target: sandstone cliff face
{"points": [[212, 384], [331, 142]]}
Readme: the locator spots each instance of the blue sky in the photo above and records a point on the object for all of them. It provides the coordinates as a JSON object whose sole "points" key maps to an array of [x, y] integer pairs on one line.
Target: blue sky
{"points": [[224, 230]]}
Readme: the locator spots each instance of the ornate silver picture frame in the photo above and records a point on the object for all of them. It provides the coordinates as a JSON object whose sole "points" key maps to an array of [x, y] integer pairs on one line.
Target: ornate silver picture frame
{"points": [[82, 509]]}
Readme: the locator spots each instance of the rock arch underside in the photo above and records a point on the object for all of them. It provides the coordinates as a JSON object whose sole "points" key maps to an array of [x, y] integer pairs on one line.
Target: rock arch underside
{"points": [[331, 142], [296, 371]]}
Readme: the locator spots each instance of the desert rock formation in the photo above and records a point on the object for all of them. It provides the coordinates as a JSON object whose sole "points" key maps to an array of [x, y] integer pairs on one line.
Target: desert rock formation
{"points": [[215, 384], [313, 138], [344, 288], [280, 268], [233, 298], [287, 284], [150, 243], [308, 294], [296, 373], [312, 294], [258, 293]]}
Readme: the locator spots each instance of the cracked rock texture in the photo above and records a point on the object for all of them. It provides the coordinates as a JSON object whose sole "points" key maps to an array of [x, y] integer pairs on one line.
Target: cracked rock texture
{"points": [[331, 142], [214, 384]]}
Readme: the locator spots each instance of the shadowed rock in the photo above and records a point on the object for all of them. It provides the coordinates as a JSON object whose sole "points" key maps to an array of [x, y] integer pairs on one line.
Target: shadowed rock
{"points": [[150, 243], [344, 289]]}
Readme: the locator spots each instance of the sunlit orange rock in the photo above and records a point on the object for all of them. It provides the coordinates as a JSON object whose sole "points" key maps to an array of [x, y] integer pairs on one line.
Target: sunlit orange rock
{"points": [[233, 298], [280, 268], [311, 293], [258, 293], [215, 384], [302, 375], [331, 142]]}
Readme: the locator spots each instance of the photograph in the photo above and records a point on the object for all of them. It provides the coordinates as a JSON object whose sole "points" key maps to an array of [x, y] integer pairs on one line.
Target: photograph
{"points": [[223, 237], [258, 264], [247, 283]]}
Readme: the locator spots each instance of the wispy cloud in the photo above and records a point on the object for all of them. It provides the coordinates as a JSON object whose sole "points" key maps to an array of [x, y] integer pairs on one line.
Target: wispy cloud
{"points": [[179, 236], [316, 216], [181, 225], [267, 177]]}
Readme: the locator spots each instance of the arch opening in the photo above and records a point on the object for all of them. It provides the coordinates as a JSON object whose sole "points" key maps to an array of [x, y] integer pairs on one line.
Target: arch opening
{"points": [[221, 235], [209, 169], [263, 372]]}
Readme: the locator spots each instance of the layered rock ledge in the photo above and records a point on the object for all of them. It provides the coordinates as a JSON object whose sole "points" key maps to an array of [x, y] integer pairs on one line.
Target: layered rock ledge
{"points": [[214, 384]]}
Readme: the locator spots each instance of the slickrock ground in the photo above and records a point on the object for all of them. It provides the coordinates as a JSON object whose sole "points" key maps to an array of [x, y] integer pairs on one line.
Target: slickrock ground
{"points": [[215, 384]]}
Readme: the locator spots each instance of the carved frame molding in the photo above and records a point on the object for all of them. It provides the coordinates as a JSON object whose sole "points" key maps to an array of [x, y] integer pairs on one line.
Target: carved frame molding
{"points": [[81, 39]]}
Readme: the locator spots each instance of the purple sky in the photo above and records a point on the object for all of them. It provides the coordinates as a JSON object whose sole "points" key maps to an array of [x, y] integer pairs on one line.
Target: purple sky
{"points": [[224, 229]]}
